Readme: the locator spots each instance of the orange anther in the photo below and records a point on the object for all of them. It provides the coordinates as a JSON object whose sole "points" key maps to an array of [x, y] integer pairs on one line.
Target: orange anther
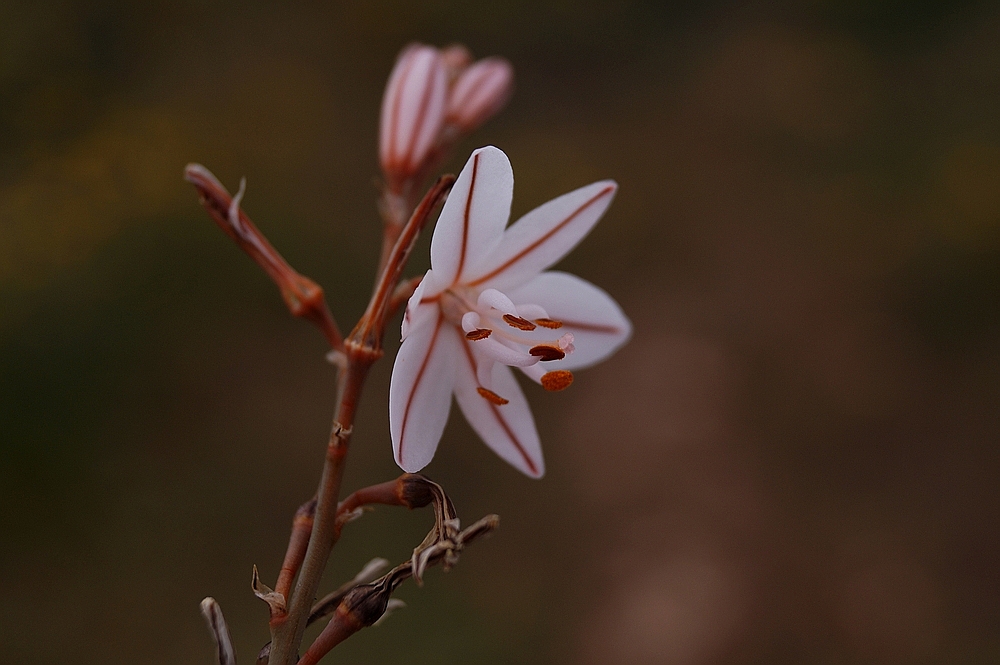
{"points": [[478, 333], [518, 322], [546, 352], [557, 380], [549, 323], [491, 396]]}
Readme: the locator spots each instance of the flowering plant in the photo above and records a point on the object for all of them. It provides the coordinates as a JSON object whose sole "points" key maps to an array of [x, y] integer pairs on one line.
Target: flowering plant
{"points": [[461, 332], [487, 304]]}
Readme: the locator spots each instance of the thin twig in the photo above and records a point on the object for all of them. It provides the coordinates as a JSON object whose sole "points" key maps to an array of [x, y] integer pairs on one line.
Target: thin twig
{"points": [[362, 348], [403, 292], [367, 603], [326, 605], [302, 525], [370, 328], [302, 295]]}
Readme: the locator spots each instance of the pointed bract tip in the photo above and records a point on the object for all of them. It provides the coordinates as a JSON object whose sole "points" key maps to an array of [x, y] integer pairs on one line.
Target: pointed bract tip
{"points": [[196, 174]]}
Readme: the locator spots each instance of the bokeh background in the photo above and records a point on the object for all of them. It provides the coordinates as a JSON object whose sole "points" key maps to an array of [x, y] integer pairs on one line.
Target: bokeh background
{"points": [[794, 460]]}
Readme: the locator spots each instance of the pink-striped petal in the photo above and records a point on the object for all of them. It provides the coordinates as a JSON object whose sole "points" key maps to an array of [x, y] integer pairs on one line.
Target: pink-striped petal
{"points": [[598, 325], [420, 390], [508, 429], [479, 93], [543, 236], [413, 110], [472, 221]]}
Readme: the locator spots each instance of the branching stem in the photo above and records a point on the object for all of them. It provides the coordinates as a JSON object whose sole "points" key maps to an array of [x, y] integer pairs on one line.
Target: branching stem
{"points": [[362, 348]]}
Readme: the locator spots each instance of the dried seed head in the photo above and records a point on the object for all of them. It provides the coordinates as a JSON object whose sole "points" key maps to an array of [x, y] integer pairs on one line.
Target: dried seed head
{"points": [[414, 490], [365, 604], [557, 380]]}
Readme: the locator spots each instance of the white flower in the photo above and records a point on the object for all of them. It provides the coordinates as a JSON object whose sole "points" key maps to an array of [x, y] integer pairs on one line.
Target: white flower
{"points": [[485, 306]]}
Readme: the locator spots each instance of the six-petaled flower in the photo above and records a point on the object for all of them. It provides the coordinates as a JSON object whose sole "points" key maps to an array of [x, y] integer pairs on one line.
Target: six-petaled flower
{"points": [[486, 306]]}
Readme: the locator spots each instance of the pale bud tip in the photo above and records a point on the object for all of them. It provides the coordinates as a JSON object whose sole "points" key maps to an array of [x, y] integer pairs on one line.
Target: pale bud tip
{"points": [[479, 93]]}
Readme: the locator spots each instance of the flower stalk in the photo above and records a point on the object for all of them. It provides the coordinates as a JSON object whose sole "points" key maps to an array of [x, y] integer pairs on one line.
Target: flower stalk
{"points": [[485, 306], [303, 296]]}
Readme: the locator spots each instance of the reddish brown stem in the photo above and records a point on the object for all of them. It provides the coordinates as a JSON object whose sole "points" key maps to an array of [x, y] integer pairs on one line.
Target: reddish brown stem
{"points": [[370, 328], [341, 626], [302, 526], [361, 349], [403, 292], [303, 297]]}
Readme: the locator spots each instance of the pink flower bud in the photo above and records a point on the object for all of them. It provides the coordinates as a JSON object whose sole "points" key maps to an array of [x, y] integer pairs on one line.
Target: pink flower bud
{"points": [[456, 59], [412, 113], [480, 91]]}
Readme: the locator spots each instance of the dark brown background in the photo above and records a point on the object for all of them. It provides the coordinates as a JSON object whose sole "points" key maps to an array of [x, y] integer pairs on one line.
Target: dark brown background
{"points": [[794, 460]]}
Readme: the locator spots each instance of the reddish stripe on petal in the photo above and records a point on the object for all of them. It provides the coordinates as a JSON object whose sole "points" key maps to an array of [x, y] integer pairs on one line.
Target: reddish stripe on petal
{"points": [[465, 219], [592, 327], [416, 386], [533, 246], [419, 125], [397, 101], [496, 414], [470, 92]]}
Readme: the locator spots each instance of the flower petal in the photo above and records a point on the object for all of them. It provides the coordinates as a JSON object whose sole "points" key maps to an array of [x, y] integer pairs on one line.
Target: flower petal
{"points": [[598, 325], [420, 390], [509, 430], [543, 236], [474, 216], [415, 312]]}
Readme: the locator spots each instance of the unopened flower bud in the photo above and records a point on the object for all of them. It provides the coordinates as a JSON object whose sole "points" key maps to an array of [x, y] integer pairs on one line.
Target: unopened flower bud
{"points": [[365, 604], [480, 91], [412, 113], [456, 58], [414, 490]]}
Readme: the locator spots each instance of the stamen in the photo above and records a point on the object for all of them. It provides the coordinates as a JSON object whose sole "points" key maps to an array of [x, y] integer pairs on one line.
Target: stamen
{"points": [[496, 300], [470, 321], [545, 352], [478, 334], [518, 322], [549, 323], [491, 396], [557, 380]]}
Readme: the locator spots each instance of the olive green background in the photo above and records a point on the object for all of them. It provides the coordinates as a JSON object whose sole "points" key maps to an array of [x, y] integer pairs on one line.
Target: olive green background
{"points": [[794, 460]]}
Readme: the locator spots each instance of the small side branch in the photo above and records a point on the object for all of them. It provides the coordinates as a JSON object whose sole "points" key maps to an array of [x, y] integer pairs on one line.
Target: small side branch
{"points": [[367, 603], [303, 296], [368, 333], [326, 605], [302, 526]]}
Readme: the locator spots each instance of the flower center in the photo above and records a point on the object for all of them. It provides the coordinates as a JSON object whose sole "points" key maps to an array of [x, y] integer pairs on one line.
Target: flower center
{"points": [[500, 331]]}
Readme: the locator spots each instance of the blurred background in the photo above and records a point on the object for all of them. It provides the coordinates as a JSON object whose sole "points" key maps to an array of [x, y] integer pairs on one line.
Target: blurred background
{"points": [[794, 460]]}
